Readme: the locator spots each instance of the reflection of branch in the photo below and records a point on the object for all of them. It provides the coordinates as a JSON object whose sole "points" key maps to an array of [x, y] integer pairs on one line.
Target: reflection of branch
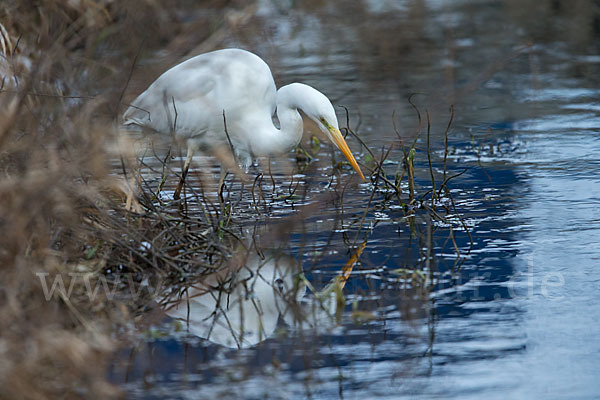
{"points": [[433, 197]]}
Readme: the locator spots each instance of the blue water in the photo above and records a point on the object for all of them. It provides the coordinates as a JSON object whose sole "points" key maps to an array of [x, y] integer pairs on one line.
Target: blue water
{"points": [[519, 318]]}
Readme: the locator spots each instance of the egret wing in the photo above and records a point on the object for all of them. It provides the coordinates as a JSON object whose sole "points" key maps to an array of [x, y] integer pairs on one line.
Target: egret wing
{"points": [[190, 98]]}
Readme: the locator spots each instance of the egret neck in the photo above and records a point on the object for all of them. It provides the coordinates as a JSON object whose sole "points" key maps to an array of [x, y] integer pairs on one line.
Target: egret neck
{"points": [[271, 140]]}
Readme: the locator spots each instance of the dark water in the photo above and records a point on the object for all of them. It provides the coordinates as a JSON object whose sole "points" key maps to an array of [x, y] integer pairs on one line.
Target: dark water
{"points": [[520, 319]]}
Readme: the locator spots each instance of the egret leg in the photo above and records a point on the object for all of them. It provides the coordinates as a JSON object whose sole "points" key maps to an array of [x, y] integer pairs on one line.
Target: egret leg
{"points": [[186, 166]]}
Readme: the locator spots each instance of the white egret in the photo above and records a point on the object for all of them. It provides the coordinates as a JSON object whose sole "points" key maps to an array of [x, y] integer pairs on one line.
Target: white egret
{"points": [[228, 98]]}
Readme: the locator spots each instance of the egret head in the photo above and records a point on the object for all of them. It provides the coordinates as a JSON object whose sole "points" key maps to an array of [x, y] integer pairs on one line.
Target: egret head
{"points": [[318, 108]]}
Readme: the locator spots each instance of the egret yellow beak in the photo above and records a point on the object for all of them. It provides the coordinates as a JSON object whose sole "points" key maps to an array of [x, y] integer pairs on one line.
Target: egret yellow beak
{"points": [[339, 141]]}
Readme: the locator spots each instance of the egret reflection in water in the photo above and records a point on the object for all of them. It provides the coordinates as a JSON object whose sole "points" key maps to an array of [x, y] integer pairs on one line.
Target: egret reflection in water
{"points": [[241, 306]]}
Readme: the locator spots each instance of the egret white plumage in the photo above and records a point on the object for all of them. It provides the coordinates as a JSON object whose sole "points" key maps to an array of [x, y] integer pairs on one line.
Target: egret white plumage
{"points": [[195, 99]]}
